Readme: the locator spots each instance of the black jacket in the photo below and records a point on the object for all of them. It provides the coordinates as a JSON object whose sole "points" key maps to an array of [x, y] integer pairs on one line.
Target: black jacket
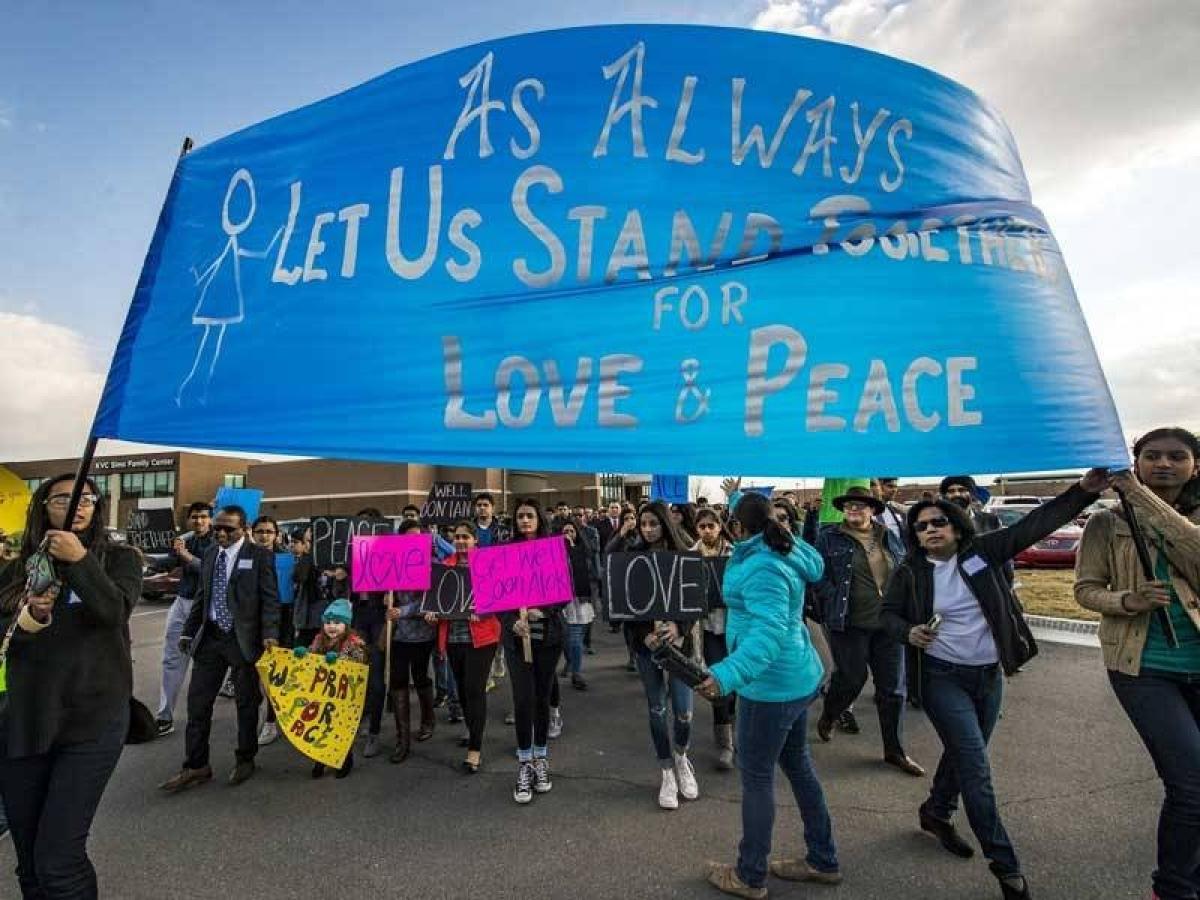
{"points": [[253, 598], [909, 597], [69, 681]]}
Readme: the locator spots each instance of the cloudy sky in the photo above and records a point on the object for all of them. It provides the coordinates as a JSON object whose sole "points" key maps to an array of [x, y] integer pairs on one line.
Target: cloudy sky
{"points": [[95, 99]]}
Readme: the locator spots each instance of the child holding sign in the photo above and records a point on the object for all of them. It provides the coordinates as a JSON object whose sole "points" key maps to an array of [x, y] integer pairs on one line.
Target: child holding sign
{"points": [[336, 641]]}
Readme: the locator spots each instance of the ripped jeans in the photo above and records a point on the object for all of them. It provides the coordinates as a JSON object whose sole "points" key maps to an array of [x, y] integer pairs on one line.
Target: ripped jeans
{"points": [[658, 684]]}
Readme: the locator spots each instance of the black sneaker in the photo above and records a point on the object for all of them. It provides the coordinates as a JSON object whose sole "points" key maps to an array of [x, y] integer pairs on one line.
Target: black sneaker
{"points": [[847, 723], [946, 834], [454, 714], [523, 792], [541, 775], [439, 700], [164, 726]]}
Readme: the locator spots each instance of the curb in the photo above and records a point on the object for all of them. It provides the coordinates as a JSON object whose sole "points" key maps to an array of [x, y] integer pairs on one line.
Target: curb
{"points": [[1065, 631]]}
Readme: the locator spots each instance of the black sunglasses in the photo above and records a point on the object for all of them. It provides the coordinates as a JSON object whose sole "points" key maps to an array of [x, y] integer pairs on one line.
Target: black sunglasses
{"points": [[228, 529], [938, 522]]}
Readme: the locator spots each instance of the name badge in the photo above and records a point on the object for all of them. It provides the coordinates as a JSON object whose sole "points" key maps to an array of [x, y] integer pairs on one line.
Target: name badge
{"points": [[973, 565], [245, 564], [73, 599]]}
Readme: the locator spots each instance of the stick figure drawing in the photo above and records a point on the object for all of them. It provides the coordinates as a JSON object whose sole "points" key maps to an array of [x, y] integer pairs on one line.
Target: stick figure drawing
{"points": [[221, 301]]}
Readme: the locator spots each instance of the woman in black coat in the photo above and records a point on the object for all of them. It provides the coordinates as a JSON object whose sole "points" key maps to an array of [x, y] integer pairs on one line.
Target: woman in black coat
{"points": [[69, 679]]}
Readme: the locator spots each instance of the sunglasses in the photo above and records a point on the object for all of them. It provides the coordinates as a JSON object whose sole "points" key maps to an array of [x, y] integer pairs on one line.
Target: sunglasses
{"points": [[60, 501], [938, 522], [227, 529]]}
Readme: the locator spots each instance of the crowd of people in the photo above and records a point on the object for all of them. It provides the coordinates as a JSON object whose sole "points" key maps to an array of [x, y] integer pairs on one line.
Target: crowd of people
{"points": [[917, 598]]}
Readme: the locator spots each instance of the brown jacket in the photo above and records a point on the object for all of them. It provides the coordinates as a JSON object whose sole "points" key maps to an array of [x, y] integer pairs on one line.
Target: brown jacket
{"points": [[1107, 570]]}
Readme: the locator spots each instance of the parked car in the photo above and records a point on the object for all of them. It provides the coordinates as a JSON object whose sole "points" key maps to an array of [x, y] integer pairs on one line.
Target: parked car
{"points": [[160, 580], [1056, 551], [1009, 515], [995, 502], [1099, 506]]}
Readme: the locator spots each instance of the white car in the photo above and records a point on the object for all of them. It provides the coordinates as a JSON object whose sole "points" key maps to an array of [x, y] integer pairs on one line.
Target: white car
{"points": [[995, 502]]}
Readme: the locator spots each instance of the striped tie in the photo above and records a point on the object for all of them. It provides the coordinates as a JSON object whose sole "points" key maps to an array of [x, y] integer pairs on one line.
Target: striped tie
{"points": [[220, 605]]}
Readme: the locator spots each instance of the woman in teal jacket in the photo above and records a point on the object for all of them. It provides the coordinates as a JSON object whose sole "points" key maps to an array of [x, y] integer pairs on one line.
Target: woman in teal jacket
{"points": [[776, 673]]}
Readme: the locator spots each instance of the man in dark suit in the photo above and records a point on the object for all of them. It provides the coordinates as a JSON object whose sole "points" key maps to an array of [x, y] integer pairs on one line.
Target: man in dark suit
{"points": [[607, 526], [235, 615]]}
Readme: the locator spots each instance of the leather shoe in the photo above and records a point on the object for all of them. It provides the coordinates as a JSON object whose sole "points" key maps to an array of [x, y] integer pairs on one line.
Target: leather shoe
{"points": [[241, 772], [904, 763], [946, 834], [825, 729], [186, 778]]}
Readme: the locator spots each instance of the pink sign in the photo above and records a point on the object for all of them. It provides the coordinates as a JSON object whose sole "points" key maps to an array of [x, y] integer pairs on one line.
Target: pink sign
{"points": [[525, 573], [391, 562]]}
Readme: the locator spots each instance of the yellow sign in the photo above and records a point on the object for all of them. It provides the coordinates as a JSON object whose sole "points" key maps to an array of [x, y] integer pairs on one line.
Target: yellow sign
{"points": [[14, 501], [318, 705]]}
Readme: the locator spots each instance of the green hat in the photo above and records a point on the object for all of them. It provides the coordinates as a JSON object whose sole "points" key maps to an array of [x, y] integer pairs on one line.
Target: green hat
{"points": [[337, 611]]}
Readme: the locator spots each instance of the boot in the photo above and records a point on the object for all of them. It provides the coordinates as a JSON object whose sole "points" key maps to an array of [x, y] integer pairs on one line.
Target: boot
{"points": [[425, 698], [723, 735], [403, 715]]}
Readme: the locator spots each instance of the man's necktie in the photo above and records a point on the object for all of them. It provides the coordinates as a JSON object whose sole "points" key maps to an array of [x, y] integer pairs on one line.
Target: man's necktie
{"points": [[220, 605]]}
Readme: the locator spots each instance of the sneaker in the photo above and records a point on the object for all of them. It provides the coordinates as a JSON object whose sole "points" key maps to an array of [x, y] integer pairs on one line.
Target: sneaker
{"points": [[579, 682], [268, 734], [556, 723], [541, 775], [491, 684], [848, 723], [668, 792], [686, 776], [454, 714], [440, 699], [509, 718], [523, 792], [724, 878], [164, 727], [800, 870], [589, 651], [371, 747]]}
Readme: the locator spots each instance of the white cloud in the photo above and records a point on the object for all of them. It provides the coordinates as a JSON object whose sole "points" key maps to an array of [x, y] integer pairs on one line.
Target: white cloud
{"points": [[49, 387], [6, 115], [1158, 386]]}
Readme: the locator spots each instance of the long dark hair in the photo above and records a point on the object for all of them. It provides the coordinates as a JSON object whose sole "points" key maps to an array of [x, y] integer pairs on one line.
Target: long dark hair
{"points": [[790, 508], [543, 524], [688, 513], [753, 513], [672, 537], [707, 512], [37, 519], [958, 517], [1189, 497]]}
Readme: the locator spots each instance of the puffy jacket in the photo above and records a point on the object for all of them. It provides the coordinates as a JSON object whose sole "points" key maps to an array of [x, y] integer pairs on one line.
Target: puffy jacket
{"points": [[982, 562], [771, 658], [832, 593]]}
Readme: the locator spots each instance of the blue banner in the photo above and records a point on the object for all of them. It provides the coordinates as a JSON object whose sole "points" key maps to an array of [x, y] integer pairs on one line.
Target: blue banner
{"points": [[285, 565], [249, 499], [669, 488], [621, 248]]}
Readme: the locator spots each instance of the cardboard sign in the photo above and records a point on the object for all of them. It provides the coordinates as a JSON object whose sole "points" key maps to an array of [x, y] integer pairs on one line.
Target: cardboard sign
{"points": [[331, 536], [643, 587], [318, 705], [450, 594], [285, 565], [523, 573], [448, 501], [714, 570], [151, 530], [390, 562]]}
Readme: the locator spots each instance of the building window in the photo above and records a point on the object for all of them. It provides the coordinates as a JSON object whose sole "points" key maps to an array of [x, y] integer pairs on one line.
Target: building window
{"points": [[34, 483], [612, 488], [104, 484], [149, 484], [235, 481], [131, 485]]}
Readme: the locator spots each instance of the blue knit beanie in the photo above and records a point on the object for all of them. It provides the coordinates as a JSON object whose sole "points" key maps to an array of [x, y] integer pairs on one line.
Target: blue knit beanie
{"points": [[338, 611]]}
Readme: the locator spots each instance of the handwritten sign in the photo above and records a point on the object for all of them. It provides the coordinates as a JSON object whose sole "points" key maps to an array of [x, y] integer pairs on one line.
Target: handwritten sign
{"points": [[318, 705], [390, 562], [448, 501], [331, 536], [523, 573], [647, 586], [450, 594], [714, 569], [150, 530]]}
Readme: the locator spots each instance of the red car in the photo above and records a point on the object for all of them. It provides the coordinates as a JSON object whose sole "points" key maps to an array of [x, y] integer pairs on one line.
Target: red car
{"points": [[159, 582], [1056, 551]]}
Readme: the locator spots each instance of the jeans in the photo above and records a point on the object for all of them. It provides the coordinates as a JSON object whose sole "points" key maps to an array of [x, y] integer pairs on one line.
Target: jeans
{"points": [[658, 685], [174, 663], [216, 654], [470, 667], [854, 650], [51, 800], [575, 648], [963, 704], [769, 734], [1166, 713], [715, 650], [531, 683]]}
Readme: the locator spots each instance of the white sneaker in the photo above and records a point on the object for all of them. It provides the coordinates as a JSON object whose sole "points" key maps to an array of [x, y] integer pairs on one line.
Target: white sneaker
{"points": [[268, 734], [556, 723], [523, 792], [688, 787], [668, 794]]}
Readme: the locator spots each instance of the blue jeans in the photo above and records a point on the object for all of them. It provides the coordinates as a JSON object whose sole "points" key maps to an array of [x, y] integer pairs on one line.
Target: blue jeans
{"points": [[770, 734], [658, 684], [1165, 710], [963, 704], [575, 648]]}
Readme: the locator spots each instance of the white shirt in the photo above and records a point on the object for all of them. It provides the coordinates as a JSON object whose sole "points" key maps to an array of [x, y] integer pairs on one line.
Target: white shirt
{"points": [[964, 637], [231, 553], [890, 520]]}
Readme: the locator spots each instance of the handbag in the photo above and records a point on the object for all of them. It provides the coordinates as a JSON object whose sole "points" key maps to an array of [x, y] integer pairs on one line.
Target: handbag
{"points": [[142, 728]]}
